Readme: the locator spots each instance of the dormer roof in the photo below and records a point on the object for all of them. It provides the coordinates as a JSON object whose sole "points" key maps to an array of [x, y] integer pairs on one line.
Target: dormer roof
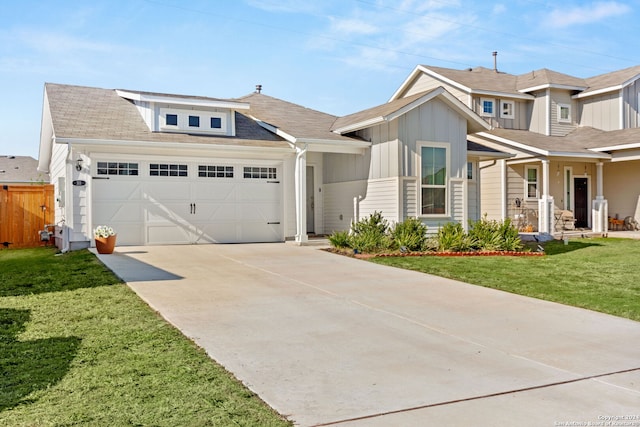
{"points": [[545, 78]]}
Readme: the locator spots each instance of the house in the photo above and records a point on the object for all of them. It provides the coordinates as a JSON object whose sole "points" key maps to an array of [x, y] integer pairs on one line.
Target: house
{"points": [[21, 170], [175, 169], [574, 142]]}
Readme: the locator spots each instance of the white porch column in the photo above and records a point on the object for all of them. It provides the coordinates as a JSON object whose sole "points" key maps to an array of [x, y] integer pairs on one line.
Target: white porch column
{"points": [[599, 206], [545, 203], [301, 194]]}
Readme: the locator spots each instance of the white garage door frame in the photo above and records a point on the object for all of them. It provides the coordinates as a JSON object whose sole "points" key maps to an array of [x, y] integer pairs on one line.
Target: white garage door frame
{"points": [[215, 208]]}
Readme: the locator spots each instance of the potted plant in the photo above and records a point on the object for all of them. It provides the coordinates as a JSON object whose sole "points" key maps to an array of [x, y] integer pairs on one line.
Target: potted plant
{"points": [[105, 238]]}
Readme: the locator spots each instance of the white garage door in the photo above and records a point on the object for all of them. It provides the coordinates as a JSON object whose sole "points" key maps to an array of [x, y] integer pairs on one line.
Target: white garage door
{"points": [[187, 202]]}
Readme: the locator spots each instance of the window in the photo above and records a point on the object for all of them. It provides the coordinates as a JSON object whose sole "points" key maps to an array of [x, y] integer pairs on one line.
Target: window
{"points": [[531, 182], [171, 120], [564, 113], [259, 173], [200, 121], [163, 169], [433, 179], [117, 168], [470, 171], [506, 109], [486, 107], [205, 171], [194, 121]]}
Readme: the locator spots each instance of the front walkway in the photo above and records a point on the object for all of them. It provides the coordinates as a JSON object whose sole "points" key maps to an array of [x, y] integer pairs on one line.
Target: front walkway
{"points": [[330, 340]]}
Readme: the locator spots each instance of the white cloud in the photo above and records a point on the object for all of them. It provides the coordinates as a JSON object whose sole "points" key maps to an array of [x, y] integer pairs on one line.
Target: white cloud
{"points": [[287, 6], [498, 9], [561, 18], [352, 26]]}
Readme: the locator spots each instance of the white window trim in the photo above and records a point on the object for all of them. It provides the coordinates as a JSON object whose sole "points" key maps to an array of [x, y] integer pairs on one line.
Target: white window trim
{"points": [[560, 107], [568, 189], [493, 109], [183, 121], [447, 185], [526, 182], [507, 116]]}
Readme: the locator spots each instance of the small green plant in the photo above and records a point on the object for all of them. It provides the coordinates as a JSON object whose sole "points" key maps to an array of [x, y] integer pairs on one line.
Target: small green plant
{"points": [[340, 239], [370, 234], [452, 238], [410, 234]]}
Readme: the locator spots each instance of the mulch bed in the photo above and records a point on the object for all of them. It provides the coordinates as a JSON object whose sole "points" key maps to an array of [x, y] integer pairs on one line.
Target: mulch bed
{"points": [[450, 254]]}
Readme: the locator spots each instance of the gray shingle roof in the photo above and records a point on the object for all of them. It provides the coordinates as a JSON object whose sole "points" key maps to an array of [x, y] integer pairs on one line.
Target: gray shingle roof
{"points": [[545, 76], [615, 78], [378, 111], [485, 79], [21, 169], [579, 141], [293, 119], [91, 113], [479, 78]]}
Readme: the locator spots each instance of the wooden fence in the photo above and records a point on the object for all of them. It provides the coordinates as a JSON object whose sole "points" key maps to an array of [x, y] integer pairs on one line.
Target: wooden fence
{"points": [[24, 211]]}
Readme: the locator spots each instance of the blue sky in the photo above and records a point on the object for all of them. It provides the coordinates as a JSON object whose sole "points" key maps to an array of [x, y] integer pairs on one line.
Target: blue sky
{"points": [[336, 56]]}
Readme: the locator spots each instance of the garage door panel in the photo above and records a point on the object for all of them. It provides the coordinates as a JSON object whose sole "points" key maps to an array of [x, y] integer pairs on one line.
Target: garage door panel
{"points": [[130, 233], [166, 189], [117, 211], [252, 191], [216, 212], [223, 232], [117, 190], [167, 234], [220, 191], [167, 212]]}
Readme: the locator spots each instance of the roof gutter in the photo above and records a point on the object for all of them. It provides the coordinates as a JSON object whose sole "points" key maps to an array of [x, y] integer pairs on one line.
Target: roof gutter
{"points": [[154, 144]]}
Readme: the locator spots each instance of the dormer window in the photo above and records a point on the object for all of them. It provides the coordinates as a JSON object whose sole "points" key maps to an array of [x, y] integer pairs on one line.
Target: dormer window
{"points": [[487, 107], [564, 113], [506, 109], [171, 119], [194, 121]]}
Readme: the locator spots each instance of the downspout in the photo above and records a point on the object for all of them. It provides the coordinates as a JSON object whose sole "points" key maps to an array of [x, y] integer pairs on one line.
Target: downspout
{"points": [[68, 192], [300, 182]]}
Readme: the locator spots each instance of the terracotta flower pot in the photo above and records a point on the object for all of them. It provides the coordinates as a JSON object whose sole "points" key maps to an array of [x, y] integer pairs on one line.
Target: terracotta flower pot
{"points": [[105, 245]]}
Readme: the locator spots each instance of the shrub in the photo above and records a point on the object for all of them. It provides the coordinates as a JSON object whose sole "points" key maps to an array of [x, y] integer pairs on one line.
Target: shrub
{"points": [[410, 234], [452, 237], [486, 234], [370, 234], [340, 239]]}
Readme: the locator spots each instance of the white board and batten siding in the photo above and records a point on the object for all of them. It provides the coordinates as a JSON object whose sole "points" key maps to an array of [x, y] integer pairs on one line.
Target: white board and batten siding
{"points": [[601, 111], [426, 83]]}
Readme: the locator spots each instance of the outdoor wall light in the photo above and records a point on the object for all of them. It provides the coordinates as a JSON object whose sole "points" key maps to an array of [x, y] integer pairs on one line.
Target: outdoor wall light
{"points": [[79, 165]]}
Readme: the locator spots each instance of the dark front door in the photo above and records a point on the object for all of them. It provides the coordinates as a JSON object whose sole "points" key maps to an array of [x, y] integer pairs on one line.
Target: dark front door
{"points": [[581, 213]]}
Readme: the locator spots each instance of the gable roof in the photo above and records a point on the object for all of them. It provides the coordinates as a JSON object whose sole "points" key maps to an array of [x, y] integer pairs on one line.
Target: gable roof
{"points": [[545, 78], [21, 169], [481, 80], [395, 108], [611, 81], [79, 112], [293, 122]]}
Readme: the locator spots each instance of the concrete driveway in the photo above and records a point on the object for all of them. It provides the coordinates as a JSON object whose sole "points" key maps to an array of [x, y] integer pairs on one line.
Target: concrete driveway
{"points": [[329, 340]]}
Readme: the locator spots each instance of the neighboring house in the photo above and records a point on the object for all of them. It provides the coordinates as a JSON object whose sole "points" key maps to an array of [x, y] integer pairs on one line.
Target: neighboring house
{"points": [[175, 169], [21, 170], [576, 142]]}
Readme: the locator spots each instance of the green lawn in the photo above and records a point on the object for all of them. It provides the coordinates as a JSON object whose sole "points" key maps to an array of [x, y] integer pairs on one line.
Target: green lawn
{"points": [[78, 347], [598, 274]]}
